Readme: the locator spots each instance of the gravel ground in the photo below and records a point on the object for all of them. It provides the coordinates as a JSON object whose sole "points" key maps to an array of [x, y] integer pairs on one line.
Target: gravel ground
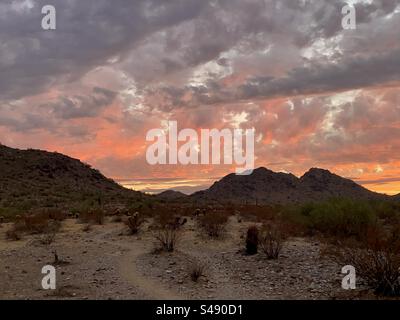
{"points": [[106, 263]]}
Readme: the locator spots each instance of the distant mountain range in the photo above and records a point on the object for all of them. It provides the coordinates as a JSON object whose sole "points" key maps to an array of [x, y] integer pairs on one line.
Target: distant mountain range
{"points": [[264, 186], [30, 178], [171, 195]]}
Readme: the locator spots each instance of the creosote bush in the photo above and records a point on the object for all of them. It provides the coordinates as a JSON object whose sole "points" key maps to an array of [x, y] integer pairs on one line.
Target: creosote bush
{"points": [[167, 239], [376, 258], [37, 223], [214, 223], [335, 217], [168, 230], [271, 241], [252, 240], [94, 215]]}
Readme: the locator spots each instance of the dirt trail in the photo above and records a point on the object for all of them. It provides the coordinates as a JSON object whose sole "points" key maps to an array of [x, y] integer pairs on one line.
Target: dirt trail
{"points": [[128, 270], [106, 264]]}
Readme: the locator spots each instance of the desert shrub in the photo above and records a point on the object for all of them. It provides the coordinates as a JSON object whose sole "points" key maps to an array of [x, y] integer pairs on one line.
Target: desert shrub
{"points": [[164, 216], [167, 238], [87, 227], [98, 216], [389, 211], [257, 213], [335, 217], [9, 213], [53, 226], [376, 258], [252, 240], [197, 270], [38, 221], [33, 224], [271, 241], [214, 224], [13, 235], [93, 215], [51, 214], [48, 238], [134, 222], [117, 219], [47, 213]]}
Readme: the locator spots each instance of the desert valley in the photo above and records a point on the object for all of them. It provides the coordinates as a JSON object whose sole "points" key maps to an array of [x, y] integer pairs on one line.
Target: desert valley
{"points": [[263, 236]]}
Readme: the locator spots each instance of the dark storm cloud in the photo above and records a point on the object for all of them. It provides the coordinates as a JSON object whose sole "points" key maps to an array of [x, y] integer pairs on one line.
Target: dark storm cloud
{"points": [[50, 115], [188, 33], [88, 33], [81, 106], [351, 73], [163, 51], [23, 122]]}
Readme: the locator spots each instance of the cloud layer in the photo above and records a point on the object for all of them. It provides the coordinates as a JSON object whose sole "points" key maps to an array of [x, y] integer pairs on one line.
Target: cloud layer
{"points": [[316, 94]]}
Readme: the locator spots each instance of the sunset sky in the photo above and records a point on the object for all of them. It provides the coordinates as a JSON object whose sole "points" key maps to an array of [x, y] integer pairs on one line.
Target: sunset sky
{"points": [[317, 95]]}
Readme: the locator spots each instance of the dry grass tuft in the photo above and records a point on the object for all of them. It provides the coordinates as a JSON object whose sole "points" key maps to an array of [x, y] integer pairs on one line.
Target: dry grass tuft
{"points": [[197, 270]]}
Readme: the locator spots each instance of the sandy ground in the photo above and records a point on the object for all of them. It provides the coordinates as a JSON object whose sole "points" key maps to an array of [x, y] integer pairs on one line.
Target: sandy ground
{"points": [[107, 263]]}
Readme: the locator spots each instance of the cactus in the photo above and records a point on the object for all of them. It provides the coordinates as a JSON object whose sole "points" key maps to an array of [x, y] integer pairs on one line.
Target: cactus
{"points": [[134, 222], [252, 240]]}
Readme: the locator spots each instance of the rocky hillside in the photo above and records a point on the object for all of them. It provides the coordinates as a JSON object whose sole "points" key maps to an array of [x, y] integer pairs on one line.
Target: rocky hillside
{"points": [[34, 178], [264, 186]]}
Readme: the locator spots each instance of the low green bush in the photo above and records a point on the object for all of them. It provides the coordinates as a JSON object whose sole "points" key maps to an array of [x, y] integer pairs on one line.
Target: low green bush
{"points": [[335, 217]]}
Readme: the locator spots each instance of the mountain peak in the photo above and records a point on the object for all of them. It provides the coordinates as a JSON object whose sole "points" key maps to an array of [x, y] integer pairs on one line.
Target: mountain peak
{"points": [[317, 172], [171, 195], [322, 176], [269, 187], [261, 170]]}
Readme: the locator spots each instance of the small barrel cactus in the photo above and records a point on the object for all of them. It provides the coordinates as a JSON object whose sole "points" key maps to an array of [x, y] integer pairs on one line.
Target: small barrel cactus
{"points": [[252, 240]]}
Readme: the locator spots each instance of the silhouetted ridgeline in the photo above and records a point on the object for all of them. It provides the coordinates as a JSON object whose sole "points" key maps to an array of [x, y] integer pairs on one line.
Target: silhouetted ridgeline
{"points": [[34, 178], [264, 186]]}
